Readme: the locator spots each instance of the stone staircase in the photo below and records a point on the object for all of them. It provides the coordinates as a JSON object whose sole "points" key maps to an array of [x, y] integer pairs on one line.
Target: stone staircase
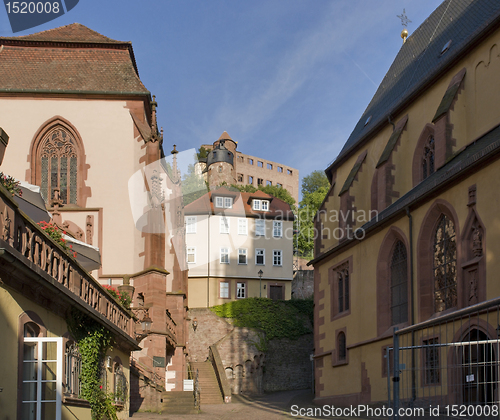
{"points": [[178, 402], [209, 386]]}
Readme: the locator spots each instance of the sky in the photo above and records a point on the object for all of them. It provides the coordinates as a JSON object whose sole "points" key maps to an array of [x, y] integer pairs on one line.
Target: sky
{"points": [[287, 79]]}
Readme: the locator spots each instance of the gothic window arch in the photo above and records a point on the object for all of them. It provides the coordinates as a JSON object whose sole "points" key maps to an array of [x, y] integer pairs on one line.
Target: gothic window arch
{"points": [[445, 265], [439, 250], [393, 273], [59, 166], [58, 163], [399, 284]]}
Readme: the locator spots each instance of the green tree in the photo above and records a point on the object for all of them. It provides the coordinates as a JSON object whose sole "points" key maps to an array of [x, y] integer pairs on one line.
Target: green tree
{"points": [[314, 181], [202, 153], [193, 185], [315, 187]]}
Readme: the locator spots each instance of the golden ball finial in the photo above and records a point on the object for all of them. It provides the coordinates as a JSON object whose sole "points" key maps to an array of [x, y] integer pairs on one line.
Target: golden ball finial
{"points": [[404, 34]]}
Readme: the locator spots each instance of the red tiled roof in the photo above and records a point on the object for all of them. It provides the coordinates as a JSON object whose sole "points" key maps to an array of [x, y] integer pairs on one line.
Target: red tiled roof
{"points": [[68, 69], [278, 209], [71, 58], [225, 136], [75, 32]]}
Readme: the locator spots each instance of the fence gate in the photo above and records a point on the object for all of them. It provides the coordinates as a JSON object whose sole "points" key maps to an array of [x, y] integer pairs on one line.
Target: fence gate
{"points": [[447, 367]]}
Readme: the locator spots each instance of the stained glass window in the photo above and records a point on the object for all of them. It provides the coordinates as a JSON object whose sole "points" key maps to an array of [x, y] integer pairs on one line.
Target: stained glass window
{"points": [[445, 265], [59, 157], [399, 284], [343, 288]]}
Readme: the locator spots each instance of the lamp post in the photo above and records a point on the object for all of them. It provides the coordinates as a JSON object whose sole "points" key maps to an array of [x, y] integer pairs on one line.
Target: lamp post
{"points": [[260, 284]]}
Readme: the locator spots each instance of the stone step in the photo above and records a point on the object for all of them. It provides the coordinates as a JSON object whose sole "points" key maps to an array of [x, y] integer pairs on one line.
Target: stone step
{"points": [[178, 402], [209, 386]]}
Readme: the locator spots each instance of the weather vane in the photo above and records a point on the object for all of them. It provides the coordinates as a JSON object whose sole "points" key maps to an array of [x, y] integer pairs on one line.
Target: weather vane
{"points": [[404, 21]]}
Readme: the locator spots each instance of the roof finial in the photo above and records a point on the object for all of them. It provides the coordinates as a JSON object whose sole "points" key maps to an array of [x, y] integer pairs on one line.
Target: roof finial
{"points": [[404, 21], [154, 104], [175, 151]]}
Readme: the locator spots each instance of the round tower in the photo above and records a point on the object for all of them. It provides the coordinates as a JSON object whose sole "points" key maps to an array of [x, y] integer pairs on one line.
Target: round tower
{"points": [[220, 161]]}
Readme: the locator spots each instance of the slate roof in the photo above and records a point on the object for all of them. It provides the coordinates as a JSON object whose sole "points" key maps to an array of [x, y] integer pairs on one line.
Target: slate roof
{"points": [[278, 209], [419, 61], [70, 59], [474, 156]]}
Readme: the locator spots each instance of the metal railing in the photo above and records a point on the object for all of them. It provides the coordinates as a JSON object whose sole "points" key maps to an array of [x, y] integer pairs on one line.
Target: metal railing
{"points": [[448, 367]]}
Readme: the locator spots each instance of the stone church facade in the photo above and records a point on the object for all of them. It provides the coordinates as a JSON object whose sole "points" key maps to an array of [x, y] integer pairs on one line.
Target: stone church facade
{"points": [[81, 125], [408, 232]]}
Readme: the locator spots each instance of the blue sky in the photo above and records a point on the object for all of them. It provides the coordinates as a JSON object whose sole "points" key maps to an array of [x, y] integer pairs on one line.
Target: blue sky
{"points": [[287, 79]]}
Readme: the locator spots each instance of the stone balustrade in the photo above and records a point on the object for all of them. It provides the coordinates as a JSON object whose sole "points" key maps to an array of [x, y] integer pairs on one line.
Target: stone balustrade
{"points": [[26, 237]]}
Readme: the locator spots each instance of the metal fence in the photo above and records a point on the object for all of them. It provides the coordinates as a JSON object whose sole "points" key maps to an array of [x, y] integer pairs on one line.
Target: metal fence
{"points": [[448, 367]]}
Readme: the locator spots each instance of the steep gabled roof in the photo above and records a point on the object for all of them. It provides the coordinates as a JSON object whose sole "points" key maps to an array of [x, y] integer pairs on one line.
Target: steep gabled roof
{"points": [[75, 32], [69, 59], [420, 61]]}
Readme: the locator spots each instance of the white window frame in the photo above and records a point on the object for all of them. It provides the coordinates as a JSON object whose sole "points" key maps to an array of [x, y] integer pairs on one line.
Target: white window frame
{"points": [[241, 252], [277, 253], [224, 252], [219, 202], [228, 202], [243, 288], [193, 253], [224, 295], [242, 226], [277, 228], [264, 205], [260, 227], [38, 366], [191, 224], [224, 226], [257, 254], [256, 204]]}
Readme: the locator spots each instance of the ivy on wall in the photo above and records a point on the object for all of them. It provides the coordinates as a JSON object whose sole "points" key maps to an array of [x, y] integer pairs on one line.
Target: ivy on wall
{"points": [[93, 340], [277, 319]]}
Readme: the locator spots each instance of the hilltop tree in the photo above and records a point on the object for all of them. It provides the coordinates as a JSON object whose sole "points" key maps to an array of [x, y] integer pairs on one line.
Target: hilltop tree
{"points": [[314, 181]]}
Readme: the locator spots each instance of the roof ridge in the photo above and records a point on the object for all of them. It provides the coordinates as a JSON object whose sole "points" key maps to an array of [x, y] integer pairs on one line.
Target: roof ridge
{"points": [[72, 33]]}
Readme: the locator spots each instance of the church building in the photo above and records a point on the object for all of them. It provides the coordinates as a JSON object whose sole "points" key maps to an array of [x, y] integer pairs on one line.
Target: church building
{"points": [[406, 293], [81, 125]]}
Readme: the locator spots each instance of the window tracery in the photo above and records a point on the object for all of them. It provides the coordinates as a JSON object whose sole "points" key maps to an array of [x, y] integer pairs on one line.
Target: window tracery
{"points": [[59, 166], [445, 265]]}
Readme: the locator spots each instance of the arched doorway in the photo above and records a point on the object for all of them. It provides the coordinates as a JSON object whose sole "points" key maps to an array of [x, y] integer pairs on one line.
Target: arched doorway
{"points": [[479, 378]]}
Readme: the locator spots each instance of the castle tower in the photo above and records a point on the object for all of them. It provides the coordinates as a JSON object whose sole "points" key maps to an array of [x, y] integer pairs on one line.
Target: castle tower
{"points": [[220, 161]]}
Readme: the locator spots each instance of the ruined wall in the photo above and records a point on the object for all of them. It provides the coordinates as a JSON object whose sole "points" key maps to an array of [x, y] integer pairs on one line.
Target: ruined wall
{"points": [[285, 364]]}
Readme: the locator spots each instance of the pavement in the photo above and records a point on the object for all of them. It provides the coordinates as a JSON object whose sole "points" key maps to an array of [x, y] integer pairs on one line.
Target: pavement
{"points": [[271, 406]]}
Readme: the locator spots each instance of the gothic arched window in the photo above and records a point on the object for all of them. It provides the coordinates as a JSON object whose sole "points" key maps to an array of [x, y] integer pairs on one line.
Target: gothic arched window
{"points": [[399, 284], [58, 154], [445, 265], [428, 158]]}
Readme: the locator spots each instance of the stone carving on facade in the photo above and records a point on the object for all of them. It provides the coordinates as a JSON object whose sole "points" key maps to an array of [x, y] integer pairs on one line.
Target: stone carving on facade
{"points": [[6, 225], [473, 287], [477, 242], [90, 229]]}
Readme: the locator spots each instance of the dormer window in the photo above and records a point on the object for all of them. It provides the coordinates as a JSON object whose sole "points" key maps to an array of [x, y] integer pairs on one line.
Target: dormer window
{"points": [[428, 158], [262, 205], [224, 202]]}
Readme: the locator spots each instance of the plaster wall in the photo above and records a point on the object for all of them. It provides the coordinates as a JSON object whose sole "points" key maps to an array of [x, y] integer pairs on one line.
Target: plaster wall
{"points": [[107, 132]]}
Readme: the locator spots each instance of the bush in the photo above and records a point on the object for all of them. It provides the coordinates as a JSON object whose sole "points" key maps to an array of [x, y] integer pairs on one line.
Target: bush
{"points": [[277, 319]]}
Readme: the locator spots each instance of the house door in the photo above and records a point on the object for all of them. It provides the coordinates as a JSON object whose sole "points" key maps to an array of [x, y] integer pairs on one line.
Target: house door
{"points": [[42, 378], [276, 292], [478, 369]]}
